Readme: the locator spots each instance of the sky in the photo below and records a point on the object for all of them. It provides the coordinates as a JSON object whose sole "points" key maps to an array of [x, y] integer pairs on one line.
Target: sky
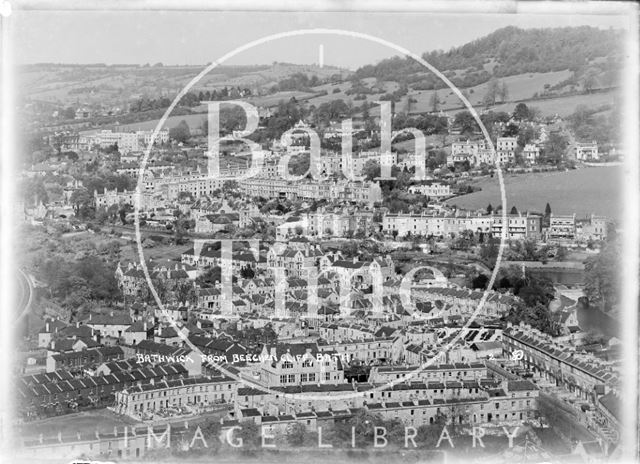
{"points": [[200, 37]]}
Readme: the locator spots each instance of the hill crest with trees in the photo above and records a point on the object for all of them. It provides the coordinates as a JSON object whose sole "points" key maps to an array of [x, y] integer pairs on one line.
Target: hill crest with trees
{"points": [[506, 52]]}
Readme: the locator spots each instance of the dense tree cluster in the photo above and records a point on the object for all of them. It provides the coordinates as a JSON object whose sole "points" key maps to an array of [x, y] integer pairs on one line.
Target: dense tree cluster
{"points": [[602, 276], [189, 100], [77, 281], [299, 81], [589, 124]]}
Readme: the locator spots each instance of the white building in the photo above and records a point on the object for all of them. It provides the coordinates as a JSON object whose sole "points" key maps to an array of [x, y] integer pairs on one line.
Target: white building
{"points": [[506, 149], [432, 189], [587, 151], [531, 153], [126, 141]]}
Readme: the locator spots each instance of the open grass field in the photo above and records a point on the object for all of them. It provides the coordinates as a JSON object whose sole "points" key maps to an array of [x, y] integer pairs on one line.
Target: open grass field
{"points": [[581, 191], [521, 86], [564, 106], [193, 120]]}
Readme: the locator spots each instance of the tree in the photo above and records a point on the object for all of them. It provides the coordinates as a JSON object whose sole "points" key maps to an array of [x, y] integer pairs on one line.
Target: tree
{"points": [[185, 293], [181, 133], [547, 210], [230, 185], [589, 81], [489, 208], [34, 191], [511, 130], [465, 121], [492, 93], [602, 277], [246, 272], [434, 102], [503, 91], [68, 113], [489, 250], [537, 316], [521, 112], [185, 196], [526, 136], [210, 277], [480, 281], [81, 200], [555, 147], [181, 227], [514, 210], [371, 169]]}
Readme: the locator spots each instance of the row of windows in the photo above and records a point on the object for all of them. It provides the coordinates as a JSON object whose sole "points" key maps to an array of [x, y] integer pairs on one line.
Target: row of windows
{"points": [[179, 391]]}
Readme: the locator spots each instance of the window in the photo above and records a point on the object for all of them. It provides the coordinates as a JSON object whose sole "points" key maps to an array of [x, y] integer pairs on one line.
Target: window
{"points": [[287, 365], [327, 375], [291, 378], [497, 405], [283, 379], [303, 377], [312, 377]]}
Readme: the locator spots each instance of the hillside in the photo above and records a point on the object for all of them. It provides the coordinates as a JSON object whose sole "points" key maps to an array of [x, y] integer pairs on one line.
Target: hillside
{"points": [[511, 51], [554, 70], [64, 84]]}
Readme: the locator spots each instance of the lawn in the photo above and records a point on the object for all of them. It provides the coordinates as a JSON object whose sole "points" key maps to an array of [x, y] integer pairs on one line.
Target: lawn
{"points": [[521, 86], [581, 191]]}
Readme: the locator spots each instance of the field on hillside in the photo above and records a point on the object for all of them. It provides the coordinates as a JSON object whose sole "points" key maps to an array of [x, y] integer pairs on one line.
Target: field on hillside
{"points": [[564, 106], [388, 87], [520, 87], [581, 191], [273, 100], [65, 84]]}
